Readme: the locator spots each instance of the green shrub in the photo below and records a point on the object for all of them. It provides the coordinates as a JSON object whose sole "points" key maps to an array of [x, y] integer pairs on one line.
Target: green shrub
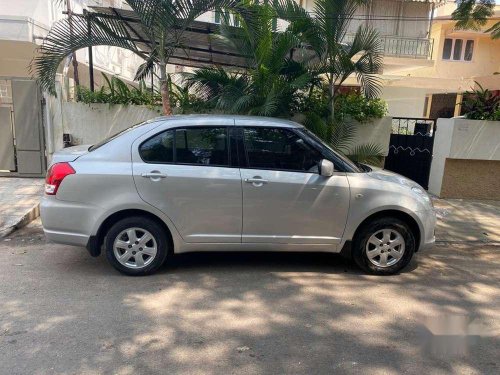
{"points": [[185, 101], [347, 106], [481, 104], [118, 92], [359, 108]]}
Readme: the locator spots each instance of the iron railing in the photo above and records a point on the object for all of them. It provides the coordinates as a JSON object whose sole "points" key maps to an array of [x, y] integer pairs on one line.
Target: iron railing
{"points": [[418, 48], [414, 126]]}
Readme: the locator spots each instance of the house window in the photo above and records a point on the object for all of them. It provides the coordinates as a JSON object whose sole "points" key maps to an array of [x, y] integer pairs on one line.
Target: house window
{"points": [[458, 49], [469, 49]]}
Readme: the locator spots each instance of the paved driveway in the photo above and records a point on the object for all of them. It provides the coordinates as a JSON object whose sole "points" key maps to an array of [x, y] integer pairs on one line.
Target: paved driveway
{"points": [[62, 312]]}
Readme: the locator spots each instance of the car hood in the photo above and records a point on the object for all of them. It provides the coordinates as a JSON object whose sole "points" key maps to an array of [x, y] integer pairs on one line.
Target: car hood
{"points": [[385, 175], [70, 153]]}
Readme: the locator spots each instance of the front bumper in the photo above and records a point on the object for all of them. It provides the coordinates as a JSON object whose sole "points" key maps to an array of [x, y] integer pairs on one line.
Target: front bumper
{"points": [[427, 230]]}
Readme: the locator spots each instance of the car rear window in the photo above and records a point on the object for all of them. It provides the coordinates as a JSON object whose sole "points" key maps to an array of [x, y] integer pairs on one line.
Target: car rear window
{"points": [[116, 135]]}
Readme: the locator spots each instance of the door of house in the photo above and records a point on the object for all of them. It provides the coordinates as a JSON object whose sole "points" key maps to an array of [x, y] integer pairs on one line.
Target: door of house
{"points": [[22, 149], [7, 159]]}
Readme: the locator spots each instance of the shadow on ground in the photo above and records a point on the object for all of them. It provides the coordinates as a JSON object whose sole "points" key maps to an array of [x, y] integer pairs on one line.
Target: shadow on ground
{"points": [[63, 312]]}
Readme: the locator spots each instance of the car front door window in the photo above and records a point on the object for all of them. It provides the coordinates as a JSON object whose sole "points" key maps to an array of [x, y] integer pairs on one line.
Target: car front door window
{"points": [[279, 149]]}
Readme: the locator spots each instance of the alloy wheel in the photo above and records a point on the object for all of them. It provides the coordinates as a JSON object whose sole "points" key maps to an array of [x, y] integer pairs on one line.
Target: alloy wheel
{"points": [[385, 248], [135, 248]]}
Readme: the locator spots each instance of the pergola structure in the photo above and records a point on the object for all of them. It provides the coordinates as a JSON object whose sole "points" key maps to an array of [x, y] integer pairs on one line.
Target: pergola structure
{"points": [[198, 50]]}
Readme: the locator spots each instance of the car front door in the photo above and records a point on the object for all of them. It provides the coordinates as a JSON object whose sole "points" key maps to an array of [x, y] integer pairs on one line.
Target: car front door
{"points": [[188, 173], [285, 199]]}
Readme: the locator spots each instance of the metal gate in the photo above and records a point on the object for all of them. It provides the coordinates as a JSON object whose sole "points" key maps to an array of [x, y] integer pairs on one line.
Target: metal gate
{"points": [[411, 147], [22, 148]]}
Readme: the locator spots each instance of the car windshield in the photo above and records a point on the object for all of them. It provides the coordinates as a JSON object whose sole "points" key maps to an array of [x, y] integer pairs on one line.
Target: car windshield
{"points": [[348, 164], [116, 135]]}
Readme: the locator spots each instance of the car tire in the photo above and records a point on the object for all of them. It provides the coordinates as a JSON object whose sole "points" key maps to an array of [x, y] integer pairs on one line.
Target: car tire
{"points": [[384, 246], [137, 246]]}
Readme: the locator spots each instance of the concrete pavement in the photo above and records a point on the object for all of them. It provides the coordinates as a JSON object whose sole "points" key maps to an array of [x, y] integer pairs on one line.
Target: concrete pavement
{"points": [[63, 312], [19, 202], [465, 220]]}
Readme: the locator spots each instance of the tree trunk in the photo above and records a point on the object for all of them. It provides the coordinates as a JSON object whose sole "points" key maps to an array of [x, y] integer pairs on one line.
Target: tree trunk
{"points": [[165, 99], [332, 98], [165, 95], [76, 77], [74, 61]]}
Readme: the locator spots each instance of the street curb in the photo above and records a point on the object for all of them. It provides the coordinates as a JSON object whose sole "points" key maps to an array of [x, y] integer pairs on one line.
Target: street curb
{"points": [[471, 242], [31, 215]]}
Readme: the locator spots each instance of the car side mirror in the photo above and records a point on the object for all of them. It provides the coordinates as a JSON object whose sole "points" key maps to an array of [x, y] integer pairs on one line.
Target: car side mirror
{"points": [[326, 168]]}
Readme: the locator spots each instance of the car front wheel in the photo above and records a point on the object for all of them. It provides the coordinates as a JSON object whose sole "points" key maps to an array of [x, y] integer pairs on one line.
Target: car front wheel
{"points": [[136, 246], [384, 246]]}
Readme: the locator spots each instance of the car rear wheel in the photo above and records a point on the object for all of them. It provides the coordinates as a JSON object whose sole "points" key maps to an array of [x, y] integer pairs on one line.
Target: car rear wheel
{"points": [[384, 246], [136, 246]]}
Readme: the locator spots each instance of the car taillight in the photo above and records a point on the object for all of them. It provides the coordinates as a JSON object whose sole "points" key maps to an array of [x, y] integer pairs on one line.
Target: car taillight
{"points": [[55, 175]]}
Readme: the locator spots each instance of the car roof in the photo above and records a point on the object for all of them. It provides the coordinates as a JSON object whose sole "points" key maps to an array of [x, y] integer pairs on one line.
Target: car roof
{"points": [[197, 120]]}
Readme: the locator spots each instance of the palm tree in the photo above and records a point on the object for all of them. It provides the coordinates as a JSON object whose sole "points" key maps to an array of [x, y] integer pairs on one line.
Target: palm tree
{"points": [[324, 31], [163, 22], [282, 71], [272, 81], [473, 14]]}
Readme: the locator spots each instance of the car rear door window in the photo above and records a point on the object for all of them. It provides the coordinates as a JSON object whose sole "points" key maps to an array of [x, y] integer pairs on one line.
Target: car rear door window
{"points": [[196, 145], [279, 149], [159, 149], [204, 146]]}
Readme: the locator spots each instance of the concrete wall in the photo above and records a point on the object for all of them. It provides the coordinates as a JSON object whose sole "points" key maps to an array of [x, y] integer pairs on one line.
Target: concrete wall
{"points": [[475, 139], [466, 159], [377, 132], [404, 101], [90, 123]]}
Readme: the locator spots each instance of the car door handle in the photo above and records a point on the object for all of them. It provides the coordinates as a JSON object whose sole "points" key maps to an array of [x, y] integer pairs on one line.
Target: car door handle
{"points": [[256, 181], [154, 175]]}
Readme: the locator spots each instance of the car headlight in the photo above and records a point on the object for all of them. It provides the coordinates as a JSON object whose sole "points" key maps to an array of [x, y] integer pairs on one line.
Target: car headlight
{"points": [[422, 193]]}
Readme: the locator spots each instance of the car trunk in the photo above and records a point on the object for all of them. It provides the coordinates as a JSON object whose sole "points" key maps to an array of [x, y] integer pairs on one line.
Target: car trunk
{"points": [[69, 154]]}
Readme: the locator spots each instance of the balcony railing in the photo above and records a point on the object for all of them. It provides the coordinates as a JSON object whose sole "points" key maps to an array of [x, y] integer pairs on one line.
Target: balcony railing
{"points": [[418, 48]]}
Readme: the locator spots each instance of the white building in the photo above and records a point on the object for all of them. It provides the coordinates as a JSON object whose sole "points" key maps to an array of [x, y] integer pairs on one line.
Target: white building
{"points": [[23, 25], [421, 77]]}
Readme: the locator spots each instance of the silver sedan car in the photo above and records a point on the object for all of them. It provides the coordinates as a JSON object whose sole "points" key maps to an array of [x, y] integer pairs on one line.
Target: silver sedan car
{"points": [[230, 183]]}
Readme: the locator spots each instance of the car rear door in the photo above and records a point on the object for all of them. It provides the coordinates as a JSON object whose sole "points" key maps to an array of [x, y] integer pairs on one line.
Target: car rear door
{"points": [[285, 199], [190, 174]]}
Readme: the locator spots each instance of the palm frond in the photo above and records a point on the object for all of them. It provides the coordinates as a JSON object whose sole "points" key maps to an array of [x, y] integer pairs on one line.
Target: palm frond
{"points": [[63, 40], [370, 153], [316, 124], [146, 69], [368, 49], [301, 24], [341, 135], [494, 30], [473, 14]]}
